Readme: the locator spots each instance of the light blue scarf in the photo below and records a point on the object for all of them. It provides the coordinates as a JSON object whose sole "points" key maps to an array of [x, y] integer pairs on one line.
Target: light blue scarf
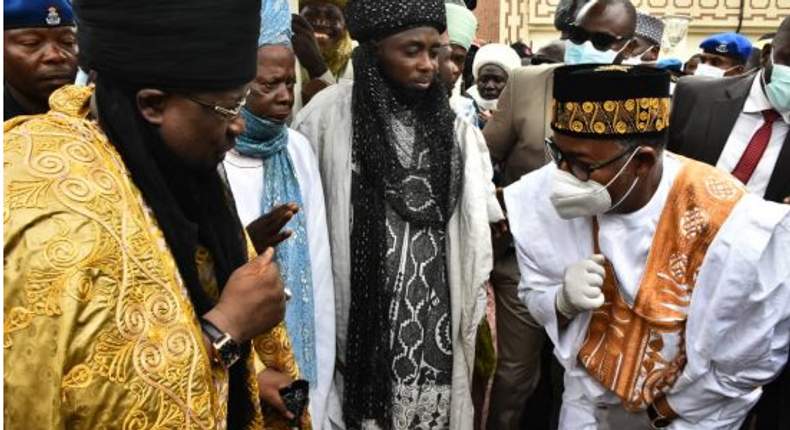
{"points": [[268, 141]]}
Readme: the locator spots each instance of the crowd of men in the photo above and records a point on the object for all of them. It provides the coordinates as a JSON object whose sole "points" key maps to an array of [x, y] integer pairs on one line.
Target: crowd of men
{"points": [[232, 215]]}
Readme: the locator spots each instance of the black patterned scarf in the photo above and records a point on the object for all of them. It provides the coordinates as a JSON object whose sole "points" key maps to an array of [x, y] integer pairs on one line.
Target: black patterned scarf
{"points": [[380, 180]]}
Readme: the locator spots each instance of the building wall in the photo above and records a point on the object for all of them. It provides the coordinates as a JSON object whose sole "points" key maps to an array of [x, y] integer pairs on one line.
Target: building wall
{"points": [[487, 13], [532, 21]]}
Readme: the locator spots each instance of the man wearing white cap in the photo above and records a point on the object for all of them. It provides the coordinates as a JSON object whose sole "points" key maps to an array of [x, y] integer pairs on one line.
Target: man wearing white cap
{"points": [[461, 28], [491, 68]]}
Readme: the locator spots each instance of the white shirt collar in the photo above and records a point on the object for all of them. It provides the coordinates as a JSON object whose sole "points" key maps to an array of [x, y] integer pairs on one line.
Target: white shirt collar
{"points": [[233, 158]]}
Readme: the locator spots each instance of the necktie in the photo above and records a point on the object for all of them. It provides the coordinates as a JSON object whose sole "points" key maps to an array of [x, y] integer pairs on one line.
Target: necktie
{"points": [[751, 157]]}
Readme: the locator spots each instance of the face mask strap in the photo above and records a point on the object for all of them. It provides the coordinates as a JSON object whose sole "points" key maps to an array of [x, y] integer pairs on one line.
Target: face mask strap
{"points": [[625, 196], [622, 169]]}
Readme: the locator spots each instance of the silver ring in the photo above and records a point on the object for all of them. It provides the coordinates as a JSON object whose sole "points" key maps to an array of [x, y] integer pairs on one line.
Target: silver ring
{"points": [[288, 293]]}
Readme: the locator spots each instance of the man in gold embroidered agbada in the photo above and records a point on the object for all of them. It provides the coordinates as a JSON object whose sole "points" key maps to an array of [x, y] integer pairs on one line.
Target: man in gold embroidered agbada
{"points": [[129, 299], [662, 283]]}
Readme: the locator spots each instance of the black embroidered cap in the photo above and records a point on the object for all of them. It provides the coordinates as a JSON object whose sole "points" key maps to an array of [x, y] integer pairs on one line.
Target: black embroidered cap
{"points": [[610, 101], [369, 20]]}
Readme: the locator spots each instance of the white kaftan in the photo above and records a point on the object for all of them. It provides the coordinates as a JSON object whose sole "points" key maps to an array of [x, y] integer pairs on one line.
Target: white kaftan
{"points": [[738, 323], [326, 121], [245, 176]]}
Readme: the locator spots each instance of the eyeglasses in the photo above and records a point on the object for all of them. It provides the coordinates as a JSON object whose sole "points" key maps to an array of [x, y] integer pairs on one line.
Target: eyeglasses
{"points": [[580, 169], [228, 114], [601, 41]]}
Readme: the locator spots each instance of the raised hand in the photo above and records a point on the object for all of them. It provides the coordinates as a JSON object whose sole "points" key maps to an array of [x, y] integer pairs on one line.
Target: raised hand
{"points": [[267, 231], [253, 300]]}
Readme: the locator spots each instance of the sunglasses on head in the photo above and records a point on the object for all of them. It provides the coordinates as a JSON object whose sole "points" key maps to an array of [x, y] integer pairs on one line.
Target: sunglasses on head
{"points": [[601, 41]]}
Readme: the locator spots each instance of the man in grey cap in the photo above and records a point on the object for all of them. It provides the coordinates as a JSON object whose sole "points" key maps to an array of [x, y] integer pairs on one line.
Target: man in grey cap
{"points": [[649, 31]]}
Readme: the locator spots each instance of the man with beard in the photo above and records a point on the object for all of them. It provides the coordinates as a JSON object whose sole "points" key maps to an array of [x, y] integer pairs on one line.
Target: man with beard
{"points": [[128, 295], [409, 269], [39, 54]]}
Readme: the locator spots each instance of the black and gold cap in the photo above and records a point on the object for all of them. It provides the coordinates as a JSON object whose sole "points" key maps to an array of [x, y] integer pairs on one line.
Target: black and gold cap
{"points": [[610, 101]]}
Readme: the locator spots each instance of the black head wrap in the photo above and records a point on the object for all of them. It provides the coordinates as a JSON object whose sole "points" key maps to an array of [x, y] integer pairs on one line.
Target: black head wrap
{"points": [[380, 180], [369, 20], [175, 44], [192, 44]]}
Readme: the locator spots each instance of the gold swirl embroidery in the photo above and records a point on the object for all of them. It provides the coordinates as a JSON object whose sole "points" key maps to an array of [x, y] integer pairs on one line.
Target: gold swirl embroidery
{"points": [[61, 253], [48, 164], [647, 115], [16, 319], [80, 376], [105, 183], [78, 152], [150, 344], [73, 101], [76, 189]]}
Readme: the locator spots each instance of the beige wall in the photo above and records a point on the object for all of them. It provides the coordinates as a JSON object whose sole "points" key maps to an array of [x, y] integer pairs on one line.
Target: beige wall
{"points": [[532, 21]]}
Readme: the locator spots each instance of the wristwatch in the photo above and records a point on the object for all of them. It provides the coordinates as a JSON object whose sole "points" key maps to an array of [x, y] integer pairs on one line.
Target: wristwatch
{"points": [[660, 413], [227, 350]]}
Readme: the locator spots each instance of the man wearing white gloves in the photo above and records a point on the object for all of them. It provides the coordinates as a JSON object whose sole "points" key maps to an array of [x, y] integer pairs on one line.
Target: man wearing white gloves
{"points": [[582, 286], [662, 283]]}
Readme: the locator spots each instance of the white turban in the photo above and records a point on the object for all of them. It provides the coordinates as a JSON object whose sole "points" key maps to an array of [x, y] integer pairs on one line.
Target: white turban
{"points": [[497, 54]]}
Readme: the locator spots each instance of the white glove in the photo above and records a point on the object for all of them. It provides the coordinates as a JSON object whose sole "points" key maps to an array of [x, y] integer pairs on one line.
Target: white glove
{"points": [[581, 290]]}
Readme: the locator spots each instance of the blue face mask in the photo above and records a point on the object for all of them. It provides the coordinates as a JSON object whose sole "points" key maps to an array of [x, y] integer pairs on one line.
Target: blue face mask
{"points": [[778, 90], [587, 54]]}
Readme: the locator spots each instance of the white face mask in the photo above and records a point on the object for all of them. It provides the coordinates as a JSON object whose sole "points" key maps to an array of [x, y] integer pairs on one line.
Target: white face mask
{"points": [[706, 70], [778, 90], [587, 54], [638, 61], [633, 61], [574, 198]]}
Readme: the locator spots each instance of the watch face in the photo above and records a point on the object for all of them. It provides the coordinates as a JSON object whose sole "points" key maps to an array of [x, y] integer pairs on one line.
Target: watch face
{"points": [[229, 353]]}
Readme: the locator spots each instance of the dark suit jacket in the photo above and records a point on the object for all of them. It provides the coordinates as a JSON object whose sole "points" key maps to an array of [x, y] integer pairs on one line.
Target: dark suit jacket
{"points": [[520, 124], [704, 112]]}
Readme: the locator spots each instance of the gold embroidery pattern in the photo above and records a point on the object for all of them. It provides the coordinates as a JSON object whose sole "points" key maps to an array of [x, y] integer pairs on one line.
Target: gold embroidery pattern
{"points": [[86, 262], [639, 352], [612, 117]]}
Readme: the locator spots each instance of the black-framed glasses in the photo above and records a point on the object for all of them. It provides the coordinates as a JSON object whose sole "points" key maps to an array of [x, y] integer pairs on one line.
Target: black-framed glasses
{"points": [[579, 169], [601, 41], [227, 113]]}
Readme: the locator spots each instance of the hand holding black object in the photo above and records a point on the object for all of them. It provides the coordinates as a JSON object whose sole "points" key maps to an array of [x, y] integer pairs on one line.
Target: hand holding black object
{"points": [[270, 386], [296, 397], [306, 47]]}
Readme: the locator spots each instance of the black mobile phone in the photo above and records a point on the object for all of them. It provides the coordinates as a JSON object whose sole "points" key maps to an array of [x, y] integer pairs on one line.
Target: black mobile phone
{"points": [[296, 397]]}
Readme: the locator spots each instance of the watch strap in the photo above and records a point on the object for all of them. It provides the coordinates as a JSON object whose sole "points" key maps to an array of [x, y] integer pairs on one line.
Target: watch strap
{"points": [[660, 413], [227, 351], [214, 334]]}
